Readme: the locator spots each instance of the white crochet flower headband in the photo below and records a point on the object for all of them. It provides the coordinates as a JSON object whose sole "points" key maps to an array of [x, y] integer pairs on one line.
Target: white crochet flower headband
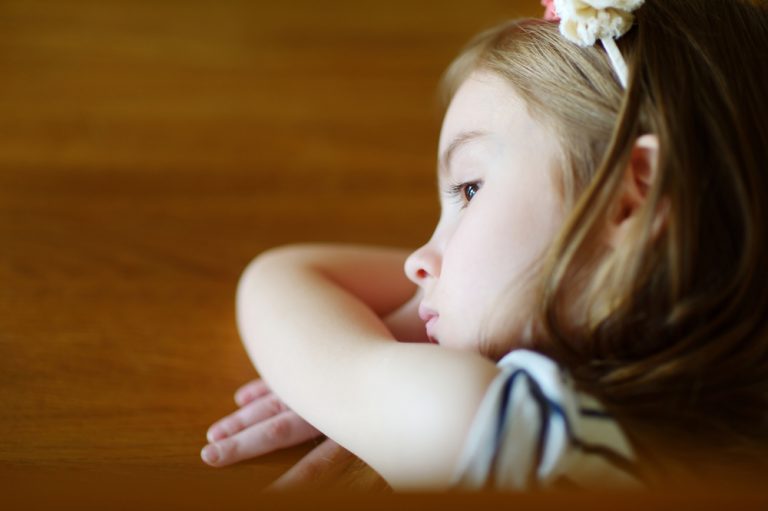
{"points": [[585, 21]]}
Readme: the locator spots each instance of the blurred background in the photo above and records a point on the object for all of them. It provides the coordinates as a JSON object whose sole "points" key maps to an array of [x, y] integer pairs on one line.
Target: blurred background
{"points": [[148, 151]]}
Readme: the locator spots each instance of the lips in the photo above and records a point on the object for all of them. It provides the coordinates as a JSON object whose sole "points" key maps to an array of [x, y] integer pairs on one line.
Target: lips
{"points": [[429, 317]]}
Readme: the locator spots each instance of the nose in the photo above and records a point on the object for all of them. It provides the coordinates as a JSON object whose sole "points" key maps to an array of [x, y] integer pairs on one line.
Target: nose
{"points": [[423, 264]]}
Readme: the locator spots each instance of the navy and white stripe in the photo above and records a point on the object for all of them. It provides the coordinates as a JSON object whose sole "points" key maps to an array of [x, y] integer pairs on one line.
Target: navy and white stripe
{"points": [[534, 430]]}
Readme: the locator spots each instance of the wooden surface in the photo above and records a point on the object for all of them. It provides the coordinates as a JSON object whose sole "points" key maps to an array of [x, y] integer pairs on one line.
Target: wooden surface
{"points": [[150, 149]]}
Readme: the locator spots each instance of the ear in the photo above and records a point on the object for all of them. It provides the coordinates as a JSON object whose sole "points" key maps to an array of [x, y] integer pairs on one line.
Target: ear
{"points": [[638, 178]]}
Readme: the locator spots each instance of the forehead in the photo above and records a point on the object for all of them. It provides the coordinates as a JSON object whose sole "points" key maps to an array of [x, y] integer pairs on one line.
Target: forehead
{"points": [[483, 103], [487, 114]]}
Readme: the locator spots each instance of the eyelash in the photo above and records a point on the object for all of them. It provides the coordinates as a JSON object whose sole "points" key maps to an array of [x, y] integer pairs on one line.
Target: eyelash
{"points": [[458, 192]]}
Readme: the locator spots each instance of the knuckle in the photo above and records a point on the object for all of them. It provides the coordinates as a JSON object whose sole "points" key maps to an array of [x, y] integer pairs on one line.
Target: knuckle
{"points": [[234, 424], [250, 391], [275, 405], [230, 426], [278, 430], [227, 449]]}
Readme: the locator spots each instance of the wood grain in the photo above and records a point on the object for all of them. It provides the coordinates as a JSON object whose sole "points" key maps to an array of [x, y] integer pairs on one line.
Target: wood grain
{"points": [[150, 149]]}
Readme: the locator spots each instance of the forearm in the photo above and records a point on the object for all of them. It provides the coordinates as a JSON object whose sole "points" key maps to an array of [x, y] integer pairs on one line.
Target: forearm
{"points": [[403, 408], [304, 303], [373, 275], [287, 305]]}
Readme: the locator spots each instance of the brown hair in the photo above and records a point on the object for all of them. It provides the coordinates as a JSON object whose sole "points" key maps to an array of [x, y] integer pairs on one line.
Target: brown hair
{"points": [[670, 330]]}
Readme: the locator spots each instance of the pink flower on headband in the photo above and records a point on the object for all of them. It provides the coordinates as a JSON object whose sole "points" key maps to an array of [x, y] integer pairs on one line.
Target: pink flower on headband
{"points": [[549, 13]]}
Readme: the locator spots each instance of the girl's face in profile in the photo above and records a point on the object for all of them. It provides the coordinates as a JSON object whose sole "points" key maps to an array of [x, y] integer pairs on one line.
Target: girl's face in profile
{"points": [[500, 212]]}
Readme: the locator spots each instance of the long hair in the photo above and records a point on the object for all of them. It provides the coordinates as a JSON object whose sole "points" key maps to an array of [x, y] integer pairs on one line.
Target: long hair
{"points": [[670, 329]]}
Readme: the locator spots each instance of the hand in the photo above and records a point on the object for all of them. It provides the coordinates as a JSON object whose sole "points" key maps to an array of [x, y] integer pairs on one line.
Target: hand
{"points": [[321, 467], [331, 467], [262, 424]]}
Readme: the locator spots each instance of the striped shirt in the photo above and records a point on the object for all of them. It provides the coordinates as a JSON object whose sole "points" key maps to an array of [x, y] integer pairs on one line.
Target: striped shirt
{"points": [[534, 430]]}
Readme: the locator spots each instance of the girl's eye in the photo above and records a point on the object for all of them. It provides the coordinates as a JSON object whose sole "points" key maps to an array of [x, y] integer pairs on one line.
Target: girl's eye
{"points": [[464, 192]]}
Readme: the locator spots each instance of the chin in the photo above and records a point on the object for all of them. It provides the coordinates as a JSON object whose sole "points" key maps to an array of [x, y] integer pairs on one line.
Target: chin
{"points": [[494, 351]]}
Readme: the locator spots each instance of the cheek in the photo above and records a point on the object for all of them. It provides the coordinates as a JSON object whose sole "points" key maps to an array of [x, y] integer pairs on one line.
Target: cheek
{"points": [[495, 240], [474, 259], [472, 284], [495, 247]]}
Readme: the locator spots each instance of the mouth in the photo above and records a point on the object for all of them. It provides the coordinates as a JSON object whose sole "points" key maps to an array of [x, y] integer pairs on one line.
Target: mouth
{"points": [[430, 329], [429, 317]]}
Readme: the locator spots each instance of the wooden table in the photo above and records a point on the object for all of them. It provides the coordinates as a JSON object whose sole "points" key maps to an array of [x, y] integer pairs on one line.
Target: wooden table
{"points": [[149, 150]]}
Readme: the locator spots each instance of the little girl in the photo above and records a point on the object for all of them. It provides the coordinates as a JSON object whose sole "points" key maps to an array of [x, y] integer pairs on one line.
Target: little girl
{"points": [[592, 304]]}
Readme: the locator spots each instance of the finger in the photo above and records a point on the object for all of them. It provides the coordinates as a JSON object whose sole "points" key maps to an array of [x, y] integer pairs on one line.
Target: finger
{"points": [[250, 391], [256, 411], [323, 461], [283, 430]]}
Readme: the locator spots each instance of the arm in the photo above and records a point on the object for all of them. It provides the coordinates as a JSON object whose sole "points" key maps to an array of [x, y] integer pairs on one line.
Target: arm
{"points": [[262, 423], [309, 318]]}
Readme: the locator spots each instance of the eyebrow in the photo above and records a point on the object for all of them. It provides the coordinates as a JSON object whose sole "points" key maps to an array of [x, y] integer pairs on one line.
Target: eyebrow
{"points": [[461, 139]]}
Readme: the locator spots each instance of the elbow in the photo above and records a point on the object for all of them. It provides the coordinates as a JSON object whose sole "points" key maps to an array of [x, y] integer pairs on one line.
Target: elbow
{"points": [[256, 283], [244, 299], [295, 256], [266, 263], [259, 285]]}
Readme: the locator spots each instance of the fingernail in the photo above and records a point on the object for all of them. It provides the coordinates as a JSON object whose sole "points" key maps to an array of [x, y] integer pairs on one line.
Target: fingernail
{"points": [[210, 454]]}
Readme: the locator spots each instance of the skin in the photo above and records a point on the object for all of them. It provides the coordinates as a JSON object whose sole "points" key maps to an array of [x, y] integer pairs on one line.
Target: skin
{"points": [[491, 233], [263, 423], [489, 237]]}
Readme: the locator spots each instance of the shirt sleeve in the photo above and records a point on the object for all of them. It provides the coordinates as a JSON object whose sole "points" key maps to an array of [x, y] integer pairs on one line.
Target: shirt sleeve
{"points": [[534, 430]]}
